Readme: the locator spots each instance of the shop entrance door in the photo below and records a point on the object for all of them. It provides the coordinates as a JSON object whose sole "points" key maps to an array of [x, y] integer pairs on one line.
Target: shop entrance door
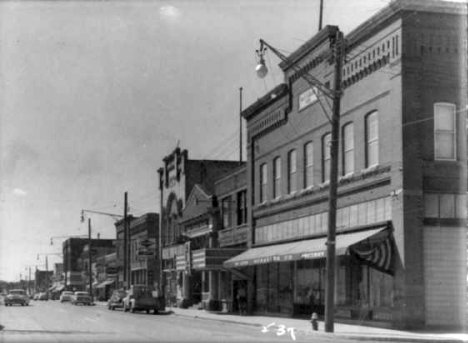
{"points": [[196, 287]]}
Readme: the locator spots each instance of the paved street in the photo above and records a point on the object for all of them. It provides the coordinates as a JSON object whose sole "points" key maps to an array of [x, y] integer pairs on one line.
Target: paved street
{"points": [[52, 321]]}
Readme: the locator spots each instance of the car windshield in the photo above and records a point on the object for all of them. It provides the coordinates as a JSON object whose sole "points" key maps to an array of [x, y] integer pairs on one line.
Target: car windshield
{"points": [[17, 292]]}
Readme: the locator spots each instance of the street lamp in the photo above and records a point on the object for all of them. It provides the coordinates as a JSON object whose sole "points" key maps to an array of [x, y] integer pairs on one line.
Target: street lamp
{"points": [[335, 95]]}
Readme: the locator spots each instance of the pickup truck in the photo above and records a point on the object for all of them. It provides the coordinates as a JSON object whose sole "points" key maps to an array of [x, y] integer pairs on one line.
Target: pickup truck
{"points": [[141, 298]]}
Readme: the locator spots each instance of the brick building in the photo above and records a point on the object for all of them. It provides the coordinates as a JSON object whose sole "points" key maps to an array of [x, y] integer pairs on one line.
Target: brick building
{"points": [[72, 249], [188, 227], [214, 228], [143, 260], [401, 219]]}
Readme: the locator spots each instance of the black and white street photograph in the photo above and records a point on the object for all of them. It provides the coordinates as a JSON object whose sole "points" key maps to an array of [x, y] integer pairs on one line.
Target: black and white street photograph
{"points": [[233, 171]]}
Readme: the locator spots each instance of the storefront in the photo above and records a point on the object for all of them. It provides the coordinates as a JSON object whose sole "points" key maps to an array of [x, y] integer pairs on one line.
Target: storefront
{"points": [[289, 279]]}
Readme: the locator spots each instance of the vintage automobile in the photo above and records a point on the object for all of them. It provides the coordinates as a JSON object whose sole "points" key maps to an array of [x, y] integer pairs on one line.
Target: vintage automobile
{"points": [[81, 298], [141, 298], [116, 299], [16, 296], [66, 296]]}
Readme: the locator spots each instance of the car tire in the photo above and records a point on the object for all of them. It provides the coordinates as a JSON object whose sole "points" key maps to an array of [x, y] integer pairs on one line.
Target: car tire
{"points": [[147, 311], [155, 311]]}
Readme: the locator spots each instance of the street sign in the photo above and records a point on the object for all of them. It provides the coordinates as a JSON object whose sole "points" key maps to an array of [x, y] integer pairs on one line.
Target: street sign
{"points": [[146, 243]]}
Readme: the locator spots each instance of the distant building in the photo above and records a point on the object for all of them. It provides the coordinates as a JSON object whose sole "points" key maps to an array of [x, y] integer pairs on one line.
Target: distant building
{"points": [[143, 257], [106, 275], [43, 280], [182, 232], [72, 249], [99, 248], [75, 259]]}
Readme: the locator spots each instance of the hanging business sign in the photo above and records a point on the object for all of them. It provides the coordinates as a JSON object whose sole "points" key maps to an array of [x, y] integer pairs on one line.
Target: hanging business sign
{"points": [[146, 247]]}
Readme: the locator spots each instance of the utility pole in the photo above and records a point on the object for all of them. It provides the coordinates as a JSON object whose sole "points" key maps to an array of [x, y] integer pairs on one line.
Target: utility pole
{"points": [[240, 126], [321, 15], [337, 46], [89, 257], [332, 200], [29, 282], [125, 247]]}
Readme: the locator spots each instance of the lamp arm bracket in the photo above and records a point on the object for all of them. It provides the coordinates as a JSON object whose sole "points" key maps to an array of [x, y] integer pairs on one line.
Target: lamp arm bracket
{"points": [[313, 81]]}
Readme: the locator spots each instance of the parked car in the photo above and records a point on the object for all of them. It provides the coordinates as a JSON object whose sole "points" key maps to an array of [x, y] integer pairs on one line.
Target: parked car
{"points": [[141, 298], [81, 298], [16, 296], [43, 296], [66, 296], [116, 299]]}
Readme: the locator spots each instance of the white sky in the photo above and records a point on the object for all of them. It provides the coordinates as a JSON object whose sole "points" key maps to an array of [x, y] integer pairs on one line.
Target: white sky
{"points": [[93, 94]]}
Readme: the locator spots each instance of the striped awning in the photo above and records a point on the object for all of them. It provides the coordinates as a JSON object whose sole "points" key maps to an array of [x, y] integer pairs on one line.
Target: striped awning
{"points": [[305, 249]]}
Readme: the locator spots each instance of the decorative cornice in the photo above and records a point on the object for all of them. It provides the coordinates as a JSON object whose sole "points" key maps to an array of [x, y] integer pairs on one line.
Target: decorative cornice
{"points": [[272, 96]]}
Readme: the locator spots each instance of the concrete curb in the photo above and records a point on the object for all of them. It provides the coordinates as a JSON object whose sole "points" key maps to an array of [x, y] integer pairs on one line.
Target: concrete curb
{"points": [[342, 336], [323, 335]]}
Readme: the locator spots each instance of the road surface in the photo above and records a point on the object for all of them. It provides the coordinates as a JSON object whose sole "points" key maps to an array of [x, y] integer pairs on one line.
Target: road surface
{"points": [[52, 321]]}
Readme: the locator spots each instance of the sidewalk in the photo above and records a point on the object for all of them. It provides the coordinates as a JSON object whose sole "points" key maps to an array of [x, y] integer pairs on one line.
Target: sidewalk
{"points": [[341, 331]]}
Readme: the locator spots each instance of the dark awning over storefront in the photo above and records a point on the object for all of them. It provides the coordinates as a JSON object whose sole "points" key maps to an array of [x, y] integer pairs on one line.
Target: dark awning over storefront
{"points": [[306, 249]]}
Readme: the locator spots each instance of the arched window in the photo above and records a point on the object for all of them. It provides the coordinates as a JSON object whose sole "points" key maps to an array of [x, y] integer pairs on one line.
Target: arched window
{"points": [[276, 177], [444, 131], [326, 145], [372, 139], [292, 172], [308, 164], [348, 149]]}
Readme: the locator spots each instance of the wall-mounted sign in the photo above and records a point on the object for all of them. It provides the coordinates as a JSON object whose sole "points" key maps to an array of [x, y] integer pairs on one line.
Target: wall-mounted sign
{"points": [[111, 270], [307, 98]]}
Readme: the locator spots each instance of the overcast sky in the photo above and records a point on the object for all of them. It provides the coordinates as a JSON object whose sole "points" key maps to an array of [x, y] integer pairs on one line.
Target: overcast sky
{"points": [[93, 95]]}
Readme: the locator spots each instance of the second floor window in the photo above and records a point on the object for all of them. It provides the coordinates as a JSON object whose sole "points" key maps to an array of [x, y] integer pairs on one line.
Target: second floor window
{"points": [[241, 207], [292, 172], [308, 165], [226, 211], [326, 145], [263, 183], [348, 149], [277, 177], [444, 131], [372, 139]]}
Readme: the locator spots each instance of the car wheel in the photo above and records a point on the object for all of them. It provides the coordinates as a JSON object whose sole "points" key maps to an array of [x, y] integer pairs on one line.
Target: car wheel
{"points": [[147, 311], [155, 311]]}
